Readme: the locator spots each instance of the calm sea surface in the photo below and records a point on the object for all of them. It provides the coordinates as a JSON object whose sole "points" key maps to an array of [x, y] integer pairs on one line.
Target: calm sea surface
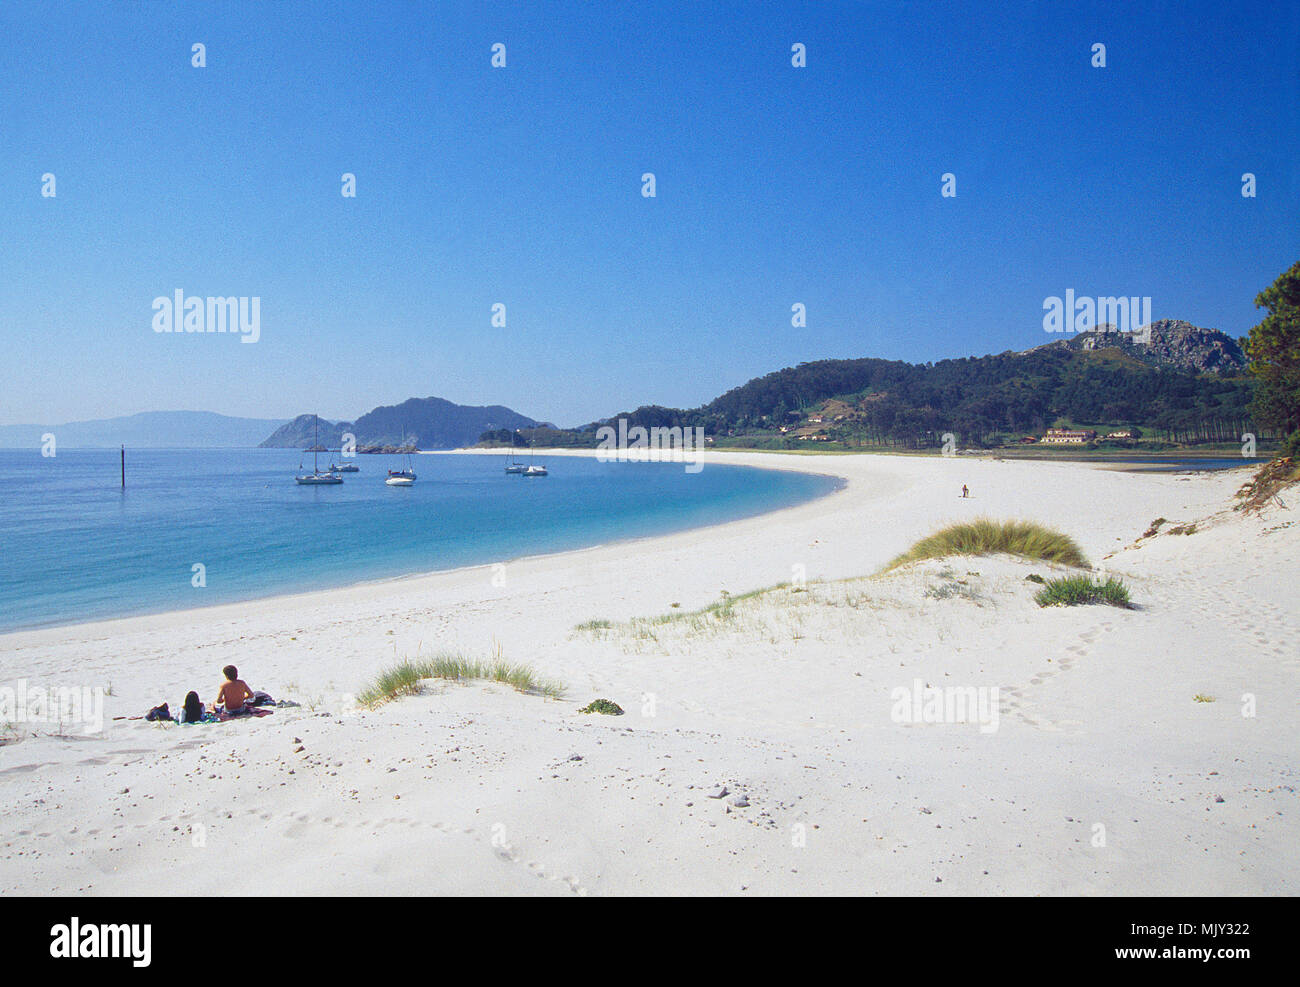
{"points": [[74, 546]]}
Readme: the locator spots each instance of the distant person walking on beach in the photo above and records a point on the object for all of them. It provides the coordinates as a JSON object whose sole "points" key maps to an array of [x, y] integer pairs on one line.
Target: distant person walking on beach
{"points": [[965, 491]]}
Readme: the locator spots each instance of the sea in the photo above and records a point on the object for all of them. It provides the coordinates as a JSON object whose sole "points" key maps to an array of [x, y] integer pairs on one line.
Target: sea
{"points": [[199, 527]]}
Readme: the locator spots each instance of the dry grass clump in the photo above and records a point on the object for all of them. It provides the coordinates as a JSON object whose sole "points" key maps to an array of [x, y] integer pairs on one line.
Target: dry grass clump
{"points": [[405, 678], [987, 537], [1267, 484]]}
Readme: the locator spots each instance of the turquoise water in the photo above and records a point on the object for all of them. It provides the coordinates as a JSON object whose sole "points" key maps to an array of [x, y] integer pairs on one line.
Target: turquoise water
{"points": [[74, 546]]}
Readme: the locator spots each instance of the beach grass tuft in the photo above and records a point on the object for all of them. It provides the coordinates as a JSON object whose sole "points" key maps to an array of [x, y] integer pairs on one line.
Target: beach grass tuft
{"points": [[987, 537], [405, 677], [1071, 591]]}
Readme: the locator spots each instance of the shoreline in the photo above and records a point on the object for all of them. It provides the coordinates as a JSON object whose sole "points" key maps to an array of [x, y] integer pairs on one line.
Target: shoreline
{"points": [[303, 595], [850, 469], [325, 595]]}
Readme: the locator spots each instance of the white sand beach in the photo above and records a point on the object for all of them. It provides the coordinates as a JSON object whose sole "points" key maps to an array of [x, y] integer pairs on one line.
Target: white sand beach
{"points": [[1101, 776]]}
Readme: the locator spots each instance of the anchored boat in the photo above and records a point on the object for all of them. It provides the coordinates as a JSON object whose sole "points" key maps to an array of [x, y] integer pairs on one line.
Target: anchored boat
{"points": [[316, 478], [402, 478]]}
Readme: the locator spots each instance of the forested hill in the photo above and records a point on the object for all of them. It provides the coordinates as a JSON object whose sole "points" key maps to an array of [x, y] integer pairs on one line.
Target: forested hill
{"points": [[976, 397], [983, 400]]}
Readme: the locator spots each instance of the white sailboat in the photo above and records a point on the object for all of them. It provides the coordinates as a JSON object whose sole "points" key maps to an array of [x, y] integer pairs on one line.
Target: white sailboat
{"points": [[513, 466], [345, 468], [402, 478], [533, 470], [316, 478]]}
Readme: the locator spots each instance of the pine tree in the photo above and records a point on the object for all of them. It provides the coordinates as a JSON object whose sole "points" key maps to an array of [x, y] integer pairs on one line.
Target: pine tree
{"points": [[1274, 350]]}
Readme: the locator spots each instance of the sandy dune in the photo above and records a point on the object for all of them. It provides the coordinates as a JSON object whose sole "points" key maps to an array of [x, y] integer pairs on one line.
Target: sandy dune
{"points": [[1102, 776]]}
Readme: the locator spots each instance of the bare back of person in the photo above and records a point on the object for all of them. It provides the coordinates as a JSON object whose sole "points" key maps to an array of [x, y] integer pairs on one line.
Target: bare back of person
{"points": [[232, 695]]}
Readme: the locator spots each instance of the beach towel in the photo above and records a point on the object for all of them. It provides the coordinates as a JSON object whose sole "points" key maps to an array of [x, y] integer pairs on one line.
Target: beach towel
{"points": [[223, 716]]}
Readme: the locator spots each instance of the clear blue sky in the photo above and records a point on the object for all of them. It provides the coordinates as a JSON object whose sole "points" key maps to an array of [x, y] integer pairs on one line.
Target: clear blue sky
{"points": [[522, 185]]}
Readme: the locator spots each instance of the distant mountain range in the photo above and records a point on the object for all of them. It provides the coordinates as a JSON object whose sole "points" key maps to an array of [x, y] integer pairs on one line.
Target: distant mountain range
{"points": [[1173, 375], [149, 429], [427, 423]]}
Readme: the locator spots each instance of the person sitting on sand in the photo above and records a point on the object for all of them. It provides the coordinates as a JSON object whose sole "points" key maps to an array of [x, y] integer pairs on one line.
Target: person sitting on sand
{"points": [[193, 710], [234, 693]]}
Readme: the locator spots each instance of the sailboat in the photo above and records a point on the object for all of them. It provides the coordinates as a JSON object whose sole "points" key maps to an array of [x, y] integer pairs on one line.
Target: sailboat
{"points": [[316, 478], [402, 478], [345, 468], [513, 465], [531, 469]]}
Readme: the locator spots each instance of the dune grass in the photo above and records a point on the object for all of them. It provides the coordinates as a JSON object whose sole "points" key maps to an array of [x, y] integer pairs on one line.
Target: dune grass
{"points": [[987, 537], [1071, 591], [405, 678], [718, 613]]}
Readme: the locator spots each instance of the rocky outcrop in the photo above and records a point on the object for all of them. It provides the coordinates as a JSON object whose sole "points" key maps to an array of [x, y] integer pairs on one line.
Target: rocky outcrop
{"points": [[1169, 343], [1181, 344]]}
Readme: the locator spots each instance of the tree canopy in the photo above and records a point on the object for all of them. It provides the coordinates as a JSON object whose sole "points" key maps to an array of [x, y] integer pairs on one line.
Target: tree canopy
{"points": [[1273, 347]]}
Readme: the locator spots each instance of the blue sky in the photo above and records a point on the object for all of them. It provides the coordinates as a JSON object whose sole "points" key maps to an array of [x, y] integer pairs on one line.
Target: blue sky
{"points": [[522, 185]]}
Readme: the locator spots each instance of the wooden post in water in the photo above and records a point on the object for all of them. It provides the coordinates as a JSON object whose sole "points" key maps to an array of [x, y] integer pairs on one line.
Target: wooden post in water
{"points": [[123, 467]]}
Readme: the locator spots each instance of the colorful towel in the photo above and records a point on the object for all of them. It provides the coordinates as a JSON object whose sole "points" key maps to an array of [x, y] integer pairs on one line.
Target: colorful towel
{"points": [[223, 716]]}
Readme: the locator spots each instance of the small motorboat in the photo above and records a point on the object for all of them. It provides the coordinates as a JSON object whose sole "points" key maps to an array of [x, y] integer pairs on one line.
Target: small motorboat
{"points": [[535, 471]]}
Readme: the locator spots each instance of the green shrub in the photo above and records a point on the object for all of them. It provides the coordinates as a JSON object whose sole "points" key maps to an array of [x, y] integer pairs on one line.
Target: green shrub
{"points": [[1071, 591], [606, 706]]}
